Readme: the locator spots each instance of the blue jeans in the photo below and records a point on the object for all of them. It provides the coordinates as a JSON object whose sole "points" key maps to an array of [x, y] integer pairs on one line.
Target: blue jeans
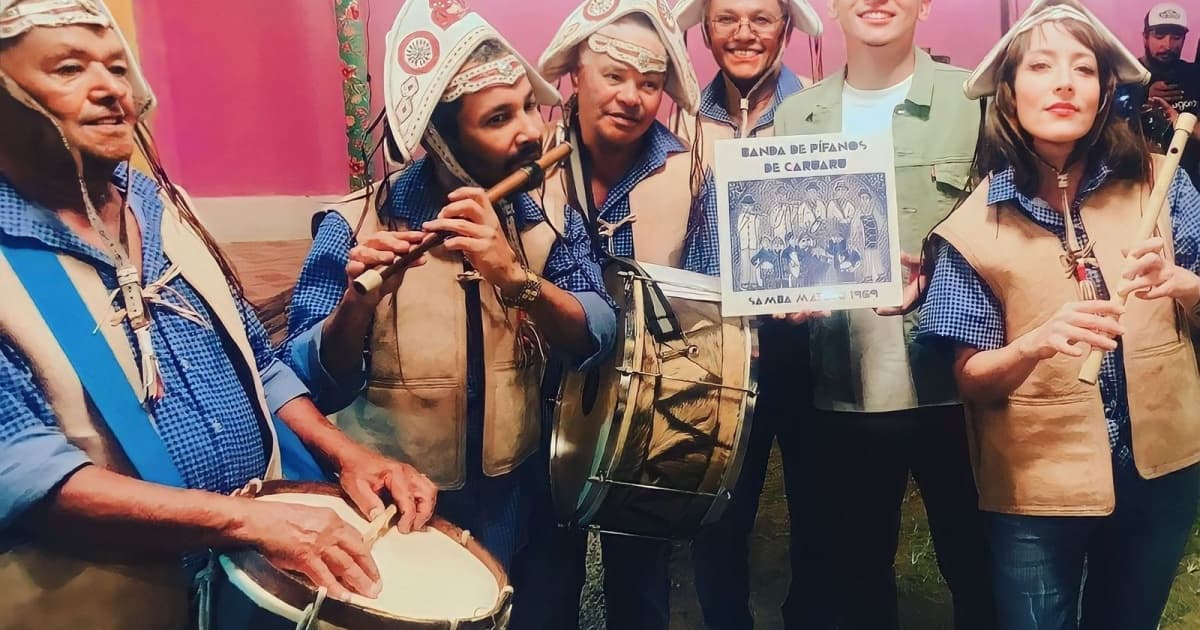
{"points": [[1095, 573]]}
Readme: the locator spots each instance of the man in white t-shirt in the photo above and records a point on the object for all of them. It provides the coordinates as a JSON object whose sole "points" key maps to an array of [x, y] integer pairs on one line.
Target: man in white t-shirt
{"points": [[886, 404]]}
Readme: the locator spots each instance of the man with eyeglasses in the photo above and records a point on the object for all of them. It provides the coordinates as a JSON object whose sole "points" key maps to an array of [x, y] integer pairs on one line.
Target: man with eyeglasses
{"points": [[747, 39]]}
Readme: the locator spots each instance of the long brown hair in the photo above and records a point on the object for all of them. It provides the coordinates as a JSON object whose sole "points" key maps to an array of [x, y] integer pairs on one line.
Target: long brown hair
{"points": [[1003, 143]]}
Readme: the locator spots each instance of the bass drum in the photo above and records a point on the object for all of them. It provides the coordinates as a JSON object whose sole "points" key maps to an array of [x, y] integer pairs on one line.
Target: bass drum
{"points": [[650, 442]]}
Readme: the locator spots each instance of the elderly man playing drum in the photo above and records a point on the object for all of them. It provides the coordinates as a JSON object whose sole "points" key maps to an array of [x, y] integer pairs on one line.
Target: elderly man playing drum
{"points": [[644, 196], [454, 344], [138, 388]]}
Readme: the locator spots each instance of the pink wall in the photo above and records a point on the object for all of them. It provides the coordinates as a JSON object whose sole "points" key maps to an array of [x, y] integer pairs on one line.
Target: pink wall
{"points": [[251, 94], [251, 99]]}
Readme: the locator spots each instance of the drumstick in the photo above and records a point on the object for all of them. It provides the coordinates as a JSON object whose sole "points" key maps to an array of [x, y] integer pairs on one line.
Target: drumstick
{"points": [[1090, 371], [523, 178], [379, 526]]}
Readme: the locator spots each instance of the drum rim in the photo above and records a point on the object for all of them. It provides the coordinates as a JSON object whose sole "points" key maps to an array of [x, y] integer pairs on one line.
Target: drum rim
{"points": [[592, 494], [298, 593], [749, 404]]}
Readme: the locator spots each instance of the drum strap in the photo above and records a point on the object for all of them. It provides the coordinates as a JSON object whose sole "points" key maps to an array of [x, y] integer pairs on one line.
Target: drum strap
{"points": [[203, 583], [60, 305], [660, 317], [579, 190]]}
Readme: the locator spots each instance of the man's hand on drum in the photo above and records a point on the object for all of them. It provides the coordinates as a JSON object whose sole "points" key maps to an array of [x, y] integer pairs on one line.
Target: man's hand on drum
{"points": [[480, 238], [367, 475], [315, 542], [382, 248]]}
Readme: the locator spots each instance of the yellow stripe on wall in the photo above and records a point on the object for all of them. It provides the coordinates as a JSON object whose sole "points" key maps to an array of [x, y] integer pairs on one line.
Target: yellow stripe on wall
{"points": [[122, 10]]}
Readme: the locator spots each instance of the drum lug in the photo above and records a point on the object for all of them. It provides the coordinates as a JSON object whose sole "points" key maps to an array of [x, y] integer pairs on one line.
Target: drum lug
{"points": [[691, 352]]}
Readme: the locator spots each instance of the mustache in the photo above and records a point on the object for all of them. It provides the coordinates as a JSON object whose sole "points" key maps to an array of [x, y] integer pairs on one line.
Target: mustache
{"points": [[527, 153], [634, 115]]}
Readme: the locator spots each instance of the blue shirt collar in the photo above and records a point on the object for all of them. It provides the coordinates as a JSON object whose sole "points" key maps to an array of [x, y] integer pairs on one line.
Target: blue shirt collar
{"points": [[1002, 188], [415, 198], [21, 218], [660, 144], [712, 98]]}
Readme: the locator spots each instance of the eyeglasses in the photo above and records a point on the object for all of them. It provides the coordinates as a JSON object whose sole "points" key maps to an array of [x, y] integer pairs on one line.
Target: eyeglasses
{"points": [[725, 25]]}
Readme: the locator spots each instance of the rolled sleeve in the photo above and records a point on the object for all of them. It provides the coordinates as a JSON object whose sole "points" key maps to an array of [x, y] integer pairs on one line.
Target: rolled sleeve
{"points": [[35, 456], [959, 306], [601, 325], [572, 266], [281, 385], [36, 460], [329, 394]]}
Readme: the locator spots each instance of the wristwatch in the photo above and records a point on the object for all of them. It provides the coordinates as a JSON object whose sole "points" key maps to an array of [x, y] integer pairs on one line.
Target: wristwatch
{"points": [[529, 292]]}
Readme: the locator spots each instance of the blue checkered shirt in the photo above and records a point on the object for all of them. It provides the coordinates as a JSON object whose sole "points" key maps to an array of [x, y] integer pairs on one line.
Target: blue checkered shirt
{"points": [[701, 252], [489, 506], [961, 308], [206, 418], [712, 101]]}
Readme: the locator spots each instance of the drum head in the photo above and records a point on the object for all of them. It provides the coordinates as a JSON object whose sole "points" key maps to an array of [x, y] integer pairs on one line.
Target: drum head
{"points": [[429, 578], [586, 408]]}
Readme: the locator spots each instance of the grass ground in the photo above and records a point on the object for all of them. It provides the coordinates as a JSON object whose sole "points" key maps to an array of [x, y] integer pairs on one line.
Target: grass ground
{"points": [[924, 600], [924, 597]]}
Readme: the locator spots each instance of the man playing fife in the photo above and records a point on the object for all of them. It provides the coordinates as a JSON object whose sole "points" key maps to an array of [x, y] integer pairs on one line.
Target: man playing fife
{"points": [[455, 343]]}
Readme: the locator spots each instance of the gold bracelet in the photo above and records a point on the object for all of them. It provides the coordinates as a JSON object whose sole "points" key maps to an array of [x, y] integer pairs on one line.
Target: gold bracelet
{"points": [[530, 291]]}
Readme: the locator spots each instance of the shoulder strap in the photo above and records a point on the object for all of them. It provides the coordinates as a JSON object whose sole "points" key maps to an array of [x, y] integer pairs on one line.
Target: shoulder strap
{"points": [[60, 305]]}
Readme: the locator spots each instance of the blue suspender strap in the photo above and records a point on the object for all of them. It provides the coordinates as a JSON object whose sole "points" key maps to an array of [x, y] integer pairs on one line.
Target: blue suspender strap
{"points": [[60, 305]]}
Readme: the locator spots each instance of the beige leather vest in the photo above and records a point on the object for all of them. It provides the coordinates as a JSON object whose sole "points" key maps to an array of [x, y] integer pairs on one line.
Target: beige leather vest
{"points": [[415, 405], [1044, 451], [711, 131], [662, 203], [74, 590]]}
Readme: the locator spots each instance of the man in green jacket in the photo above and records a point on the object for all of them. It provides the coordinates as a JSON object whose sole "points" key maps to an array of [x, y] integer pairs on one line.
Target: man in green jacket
{"points": [[886, 406]]}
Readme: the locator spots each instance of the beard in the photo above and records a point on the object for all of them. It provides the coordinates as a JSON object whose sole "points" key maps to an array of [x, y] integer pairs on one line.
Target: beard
{"points": [[1166, 58]]}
